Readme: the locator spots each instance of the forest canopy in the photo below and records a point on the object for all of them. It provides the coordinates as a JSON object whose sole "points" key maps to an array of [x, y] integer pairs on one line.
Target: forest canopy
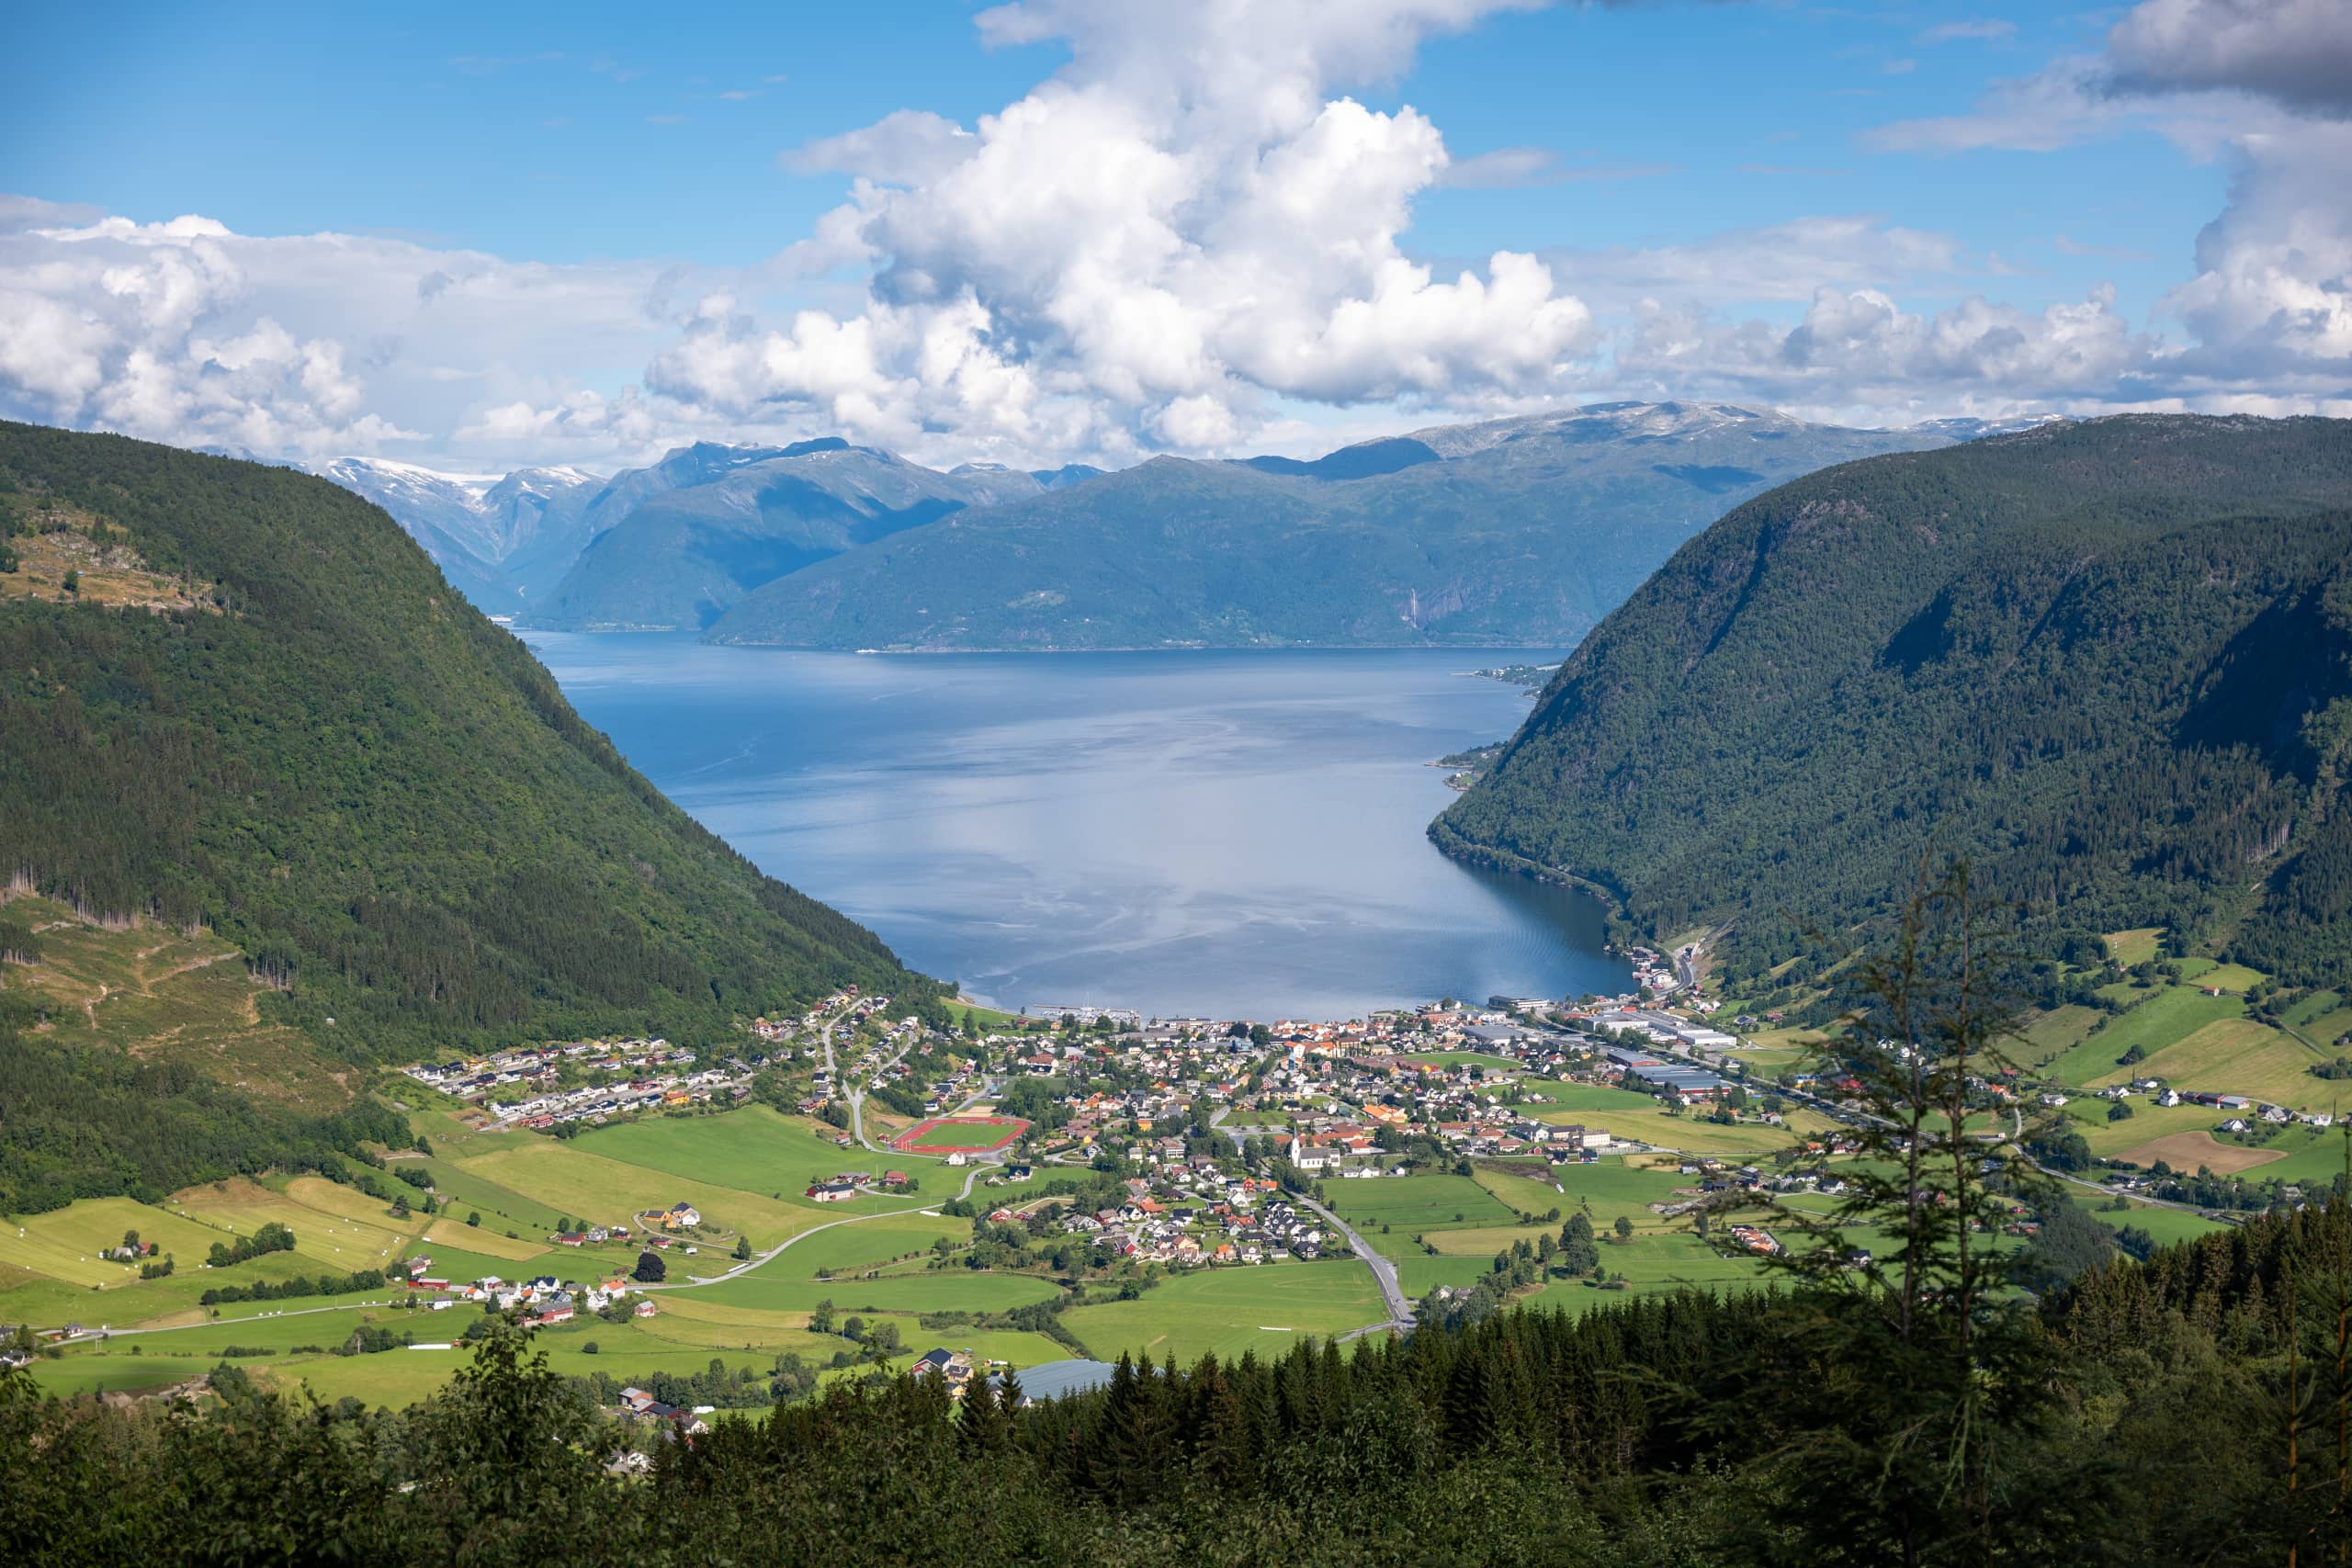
{"points": [[377, 795]]}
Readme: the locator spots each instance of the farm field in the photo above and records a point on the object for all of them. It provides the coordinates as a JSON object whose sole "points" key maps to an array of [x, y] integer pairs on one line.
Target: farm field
{"points": [[2157, 1019], [456, 1260], [1417, 1273], [1612, 1187], [751, 1148], [1417, 1202], [2226, 976], [1230, 1309], [2147, 1122], [1561, 1100], [1653, 1264], [2053, 1034], [332, 1224], [1525, 1187], [47, 1278], [1765, 1061], [944, 1290], [2192, 1150], [2237, 1056], [868, 1244], [501, 1208], [591, 1186], [63, 1243], [2323, 1018], [2311, 1154], [1695, 1135], [2133, 947], [483, 1241], [2167, 1225]]}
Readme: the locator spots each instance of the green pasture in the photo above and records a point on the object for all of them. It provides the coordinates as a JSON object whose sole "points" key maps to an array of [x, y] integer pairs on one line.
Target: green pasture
{"points": [[944, 1290], [867, 1244], [591, 1186], [752, 1150], [1417, 1202], [1565, 1102], [1228, 1311]]}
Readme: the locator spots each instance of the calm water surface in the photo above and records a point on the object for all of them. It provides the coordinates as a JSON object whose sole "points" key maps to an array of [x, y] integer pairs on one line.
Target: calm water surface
{"points": [[1232, 834]]}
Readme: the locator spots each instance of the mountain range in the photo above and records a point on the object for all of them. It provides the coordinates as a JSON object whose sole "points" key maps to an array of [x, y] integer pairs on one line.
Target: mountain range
{"points": [[688, 535], [1515, 531], [1521, 532], [2111, 662]]}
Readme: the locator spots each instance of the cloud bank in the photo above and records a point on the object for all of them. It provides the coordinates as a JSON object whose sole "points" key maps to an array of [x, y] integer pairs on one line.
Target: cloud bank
{"points": [[1195, 236]]}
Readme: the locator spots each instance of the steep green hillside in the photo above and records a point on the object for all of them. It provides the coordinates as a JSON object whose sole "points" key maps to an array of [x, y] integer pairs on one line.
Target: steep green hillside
{"points": [[1512, 532], [2112, 661], [347, 772]]}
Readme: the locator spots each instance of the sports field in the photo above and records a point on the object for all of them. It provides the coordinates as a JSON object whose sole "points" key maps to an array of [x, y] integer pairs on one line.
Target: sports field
{"points": [[960, 1134]]}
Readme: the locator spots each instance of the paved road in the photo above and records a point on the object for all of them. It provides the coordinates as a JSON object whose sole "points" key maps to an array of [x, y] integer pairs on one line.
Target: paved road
{"points": [[745, 1268], [1384, 1272]]}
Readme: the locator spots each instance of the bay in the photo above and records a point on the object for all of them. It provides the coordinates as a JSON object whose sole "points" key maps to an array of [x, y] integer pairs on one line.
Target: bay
{"points": [[1236, 834]]}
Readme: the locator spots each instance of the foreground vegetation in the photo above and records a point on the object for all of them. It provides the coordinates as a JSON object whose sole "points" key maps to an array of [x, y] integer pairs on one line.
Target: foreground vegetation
{"points": [[2149, 1416]]}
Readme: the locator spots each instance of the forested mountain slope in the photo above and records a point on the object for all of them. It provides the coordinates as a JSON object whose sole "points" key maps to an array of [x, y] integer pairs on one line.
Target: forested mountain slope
{"points": [[680, 557], [2112, 661], [351, 774], [1521, 531]]}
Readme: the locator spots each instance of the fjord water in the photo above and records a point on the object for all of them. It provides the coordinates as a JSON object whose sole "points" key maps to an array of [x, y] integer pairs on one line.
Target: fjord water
{"points": [[1228, 834]]}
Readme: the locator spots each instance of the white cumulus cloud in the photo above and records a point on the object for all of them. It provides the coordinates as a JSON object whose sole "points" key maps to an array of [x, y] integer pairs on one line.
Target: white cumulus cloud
{"points": [[1190, 217]]}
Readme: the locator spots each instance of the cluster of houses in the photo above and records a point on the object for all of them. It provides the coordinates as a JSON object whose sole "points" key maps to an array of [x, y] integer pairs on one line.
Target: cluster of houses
{"points": [[848, 1184], [2239, 1112], [542, 1303], [477, 1077], [636, 1405], [502, 1086], [1208, 1217]]}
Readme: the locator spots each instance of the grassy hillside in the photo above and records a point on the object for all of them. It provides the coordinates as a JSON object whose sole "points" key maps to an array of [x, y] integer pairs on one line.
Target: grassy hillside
{"points": [[297, 744], [2112, 661]]}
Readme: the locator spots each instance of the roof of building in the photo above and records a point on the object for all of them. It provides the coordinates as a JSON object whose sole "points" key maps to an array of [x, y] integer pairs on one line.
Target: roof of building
{"points": [[1058, 1379]]}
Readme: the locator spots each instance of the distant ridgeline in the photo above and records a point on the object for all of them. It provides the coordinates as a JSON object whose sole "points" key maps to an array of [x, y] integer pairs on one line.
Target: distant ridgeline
{"points": [[349, 772], [2111, 661]]}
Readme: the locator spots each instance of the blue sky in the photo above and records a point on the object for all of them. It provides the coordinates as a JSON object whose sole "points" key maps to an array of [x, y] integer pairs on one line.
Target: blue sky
{"points": [[1653, 159]]}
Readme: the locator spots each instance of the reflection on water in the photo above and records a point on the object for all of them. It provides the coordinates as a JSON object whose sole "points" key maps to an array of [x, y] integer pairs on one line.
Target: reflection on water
{"points": [[1222, 833]]}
